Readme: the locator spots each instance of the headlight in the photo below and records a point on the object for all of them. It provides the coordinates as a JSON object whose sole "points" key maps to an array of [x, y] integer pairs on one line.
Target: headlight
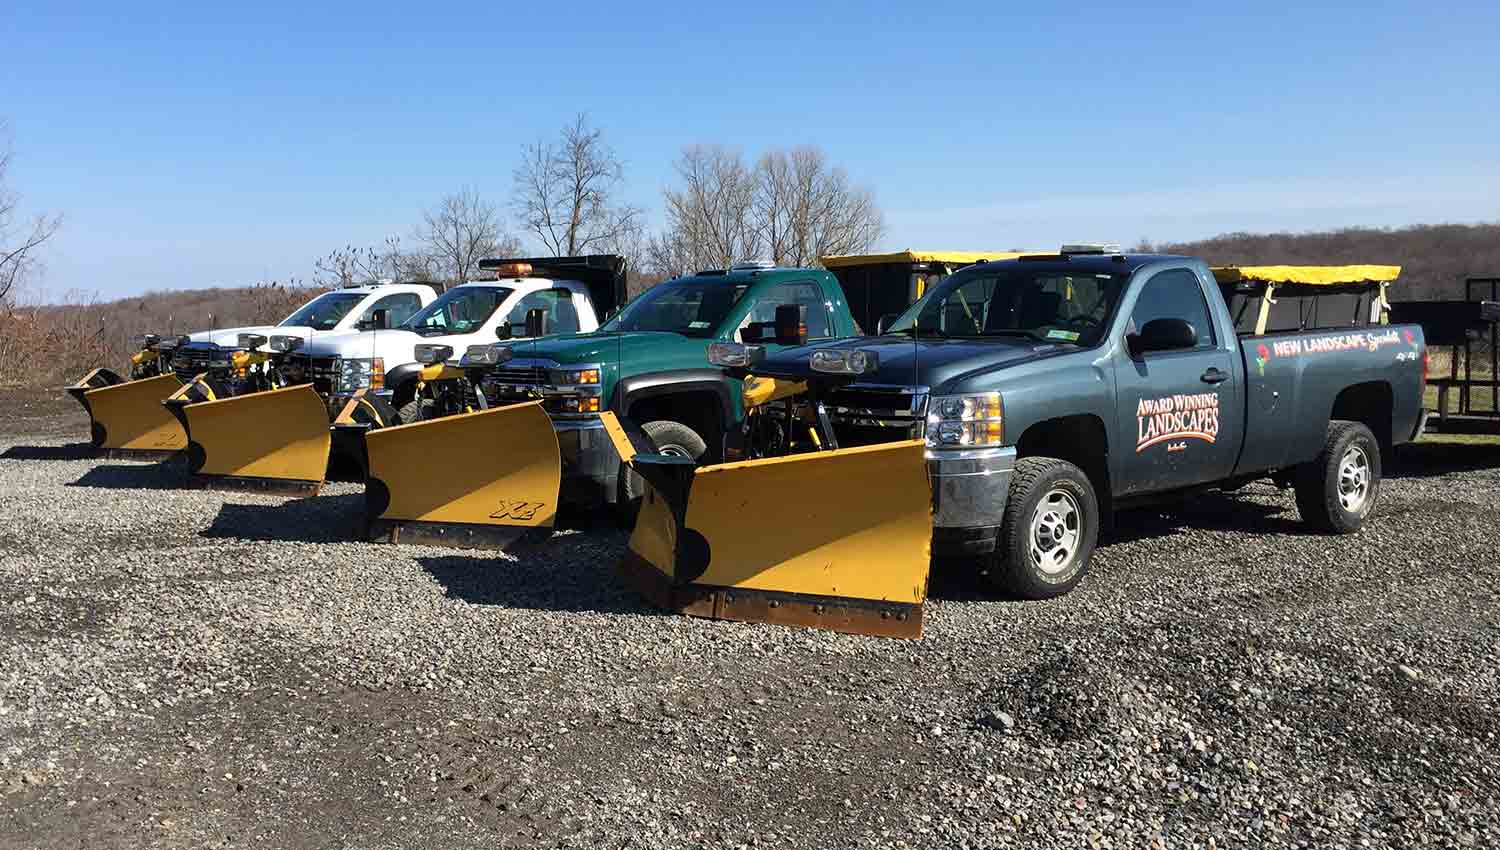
{"points": [[578, 404], [965, 421], [286, 343], [574, 377], [735, 355], [430, 354], [358, 373], [252, 340], [839, 362], [486, 355]]}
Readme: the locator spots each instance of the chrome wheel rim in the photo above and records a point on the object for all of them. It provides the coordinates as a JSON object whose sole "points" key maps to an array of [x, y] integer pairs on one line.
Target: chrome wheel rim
{"points": [[673, 450], [1056, 529], [1354, 479]]}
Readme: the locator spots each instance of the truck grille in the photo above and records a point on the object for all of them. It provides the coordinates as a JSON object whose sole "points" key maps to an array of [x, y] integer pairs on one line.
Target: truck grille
{"points": [[864, 415], [189, 363], [321, 372], [517, 375]]}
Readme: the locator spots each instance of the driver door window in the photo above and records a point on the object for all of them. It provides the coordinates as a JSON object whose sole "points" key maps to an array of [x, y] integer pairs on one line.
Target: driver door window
{"points": [[1174, 294], [398, 308], [562, 315], [804, 294]]}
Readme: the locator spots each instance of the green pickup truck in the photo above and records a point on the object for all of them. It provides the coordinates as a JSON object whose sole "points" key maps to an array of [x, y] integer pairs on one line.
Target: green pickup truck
{"points": [[649, 364]]}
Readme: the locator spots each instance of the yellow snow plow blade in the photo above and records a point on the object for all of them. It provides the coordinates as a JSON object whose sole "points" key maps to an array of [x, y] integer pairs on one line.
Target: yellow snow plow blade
{"points": [[274, 441], [835, 540], [475, 480], [126, 418]]}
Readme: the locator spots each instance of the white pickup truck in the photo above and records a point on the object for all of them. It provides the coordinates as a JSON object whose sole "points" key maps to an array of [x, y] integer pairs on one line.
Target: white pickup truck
{"points": [[336, 312], [528, 297]]}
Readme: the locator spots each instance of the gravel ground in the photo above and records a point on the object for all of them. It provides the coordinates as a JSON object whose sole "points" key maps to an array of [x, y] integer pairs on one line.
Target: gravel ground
{"points": [[183, 668]]}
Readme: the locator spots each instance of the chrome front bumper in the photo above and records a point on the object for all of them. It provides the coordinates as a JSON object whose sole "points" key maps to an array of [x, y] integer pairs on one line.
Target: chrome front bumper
{"points": [[969, 487]]}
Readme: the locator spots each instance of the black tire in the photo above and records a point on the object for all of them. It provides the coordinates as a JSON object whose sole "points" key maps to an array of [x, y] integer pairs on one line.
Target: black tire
{"points": [[1013, 569], [416, 410], [667, 437], [1338, 489]]}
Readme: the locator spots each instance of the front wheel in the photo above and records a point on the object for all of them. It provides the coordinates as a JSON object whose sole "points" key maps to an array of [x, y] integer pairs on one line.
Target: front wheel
{"points": [[1338, 489], [1048, 534], [669, 438], [419, 409]]}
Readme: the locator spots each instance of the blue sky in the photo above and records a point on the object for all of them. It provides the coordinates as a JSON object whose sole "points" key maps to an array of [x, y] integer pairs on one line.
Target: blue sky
{"points": [[191, 146]]}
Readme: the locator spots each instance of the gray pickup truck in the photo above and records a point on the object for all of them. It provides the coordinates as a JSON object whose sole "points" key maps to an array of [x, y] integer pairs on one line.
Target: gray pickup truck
{"points": [[1054, 390]]}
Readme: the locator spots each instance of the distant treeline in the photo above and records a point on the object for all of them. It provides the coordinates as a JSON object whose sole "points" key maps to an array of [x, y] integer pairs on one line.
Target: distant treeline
{"points": [[1435, 259]]}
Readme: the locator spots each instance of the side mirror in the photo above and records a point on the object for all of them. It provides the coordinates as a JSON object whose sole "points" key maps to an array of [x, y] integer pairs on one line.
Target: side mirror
{"points": [[789, 327], [504, 331], [1162, 335], [885, 322], [538, 323], [251, 341]]}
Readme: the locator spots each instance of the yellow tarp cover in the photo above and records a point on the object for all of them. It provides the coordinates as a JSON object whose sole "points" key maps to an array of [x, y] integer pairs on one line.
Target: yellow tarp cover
{"points": [[1307, 275], [835, 261]]}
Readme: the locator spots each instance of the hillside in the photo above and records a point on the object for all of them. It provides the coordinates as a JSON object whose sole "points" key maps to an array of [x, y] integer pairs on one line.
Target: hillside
{"points": [[1435, 258]]}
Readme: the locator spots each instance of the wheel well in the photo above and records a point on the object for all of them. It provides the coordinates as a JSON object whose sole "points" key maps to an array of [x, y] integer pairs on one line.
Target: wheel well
{"points": [[1370, 404], [1082, 441], [697, 409], [404, 393]]}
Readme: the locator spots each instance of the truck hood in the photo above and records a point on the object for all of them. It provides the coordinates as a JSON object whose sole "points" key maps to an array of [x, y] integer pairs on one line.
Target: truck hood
{"points": [[936, 363], [230, 337], [634, 351], [395, 345]]}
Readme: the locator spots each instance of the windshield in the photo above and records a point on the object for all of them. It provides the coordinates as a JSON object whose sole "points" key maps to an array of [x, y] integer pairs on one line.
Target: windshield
{"points": [[458, 311], [325, 311], [1046, 305], [691, 307]]}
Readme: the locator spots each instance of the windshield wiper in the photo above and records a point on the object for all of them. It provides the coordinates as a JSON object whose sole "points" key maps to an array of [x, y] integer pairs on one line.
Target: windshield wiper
{"points": [[914, 332]]}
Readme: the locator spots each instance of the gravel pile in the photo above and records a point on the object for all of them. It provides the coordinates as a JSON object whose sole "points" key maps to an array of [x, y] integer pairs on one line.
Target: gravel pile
{"points": [[186, 668]]}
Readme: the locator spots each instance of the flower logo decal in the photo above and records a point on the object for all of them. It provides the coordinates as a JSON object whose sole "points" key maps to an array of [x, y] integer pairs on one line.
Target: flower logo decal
{"points": [[1411, 339], [1263, 356]]}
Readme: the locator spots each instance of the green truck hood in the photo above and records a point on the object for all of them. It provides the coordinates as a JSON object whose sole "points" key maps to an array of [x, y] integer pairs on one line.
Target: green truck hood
{"points": [[629, 353]]}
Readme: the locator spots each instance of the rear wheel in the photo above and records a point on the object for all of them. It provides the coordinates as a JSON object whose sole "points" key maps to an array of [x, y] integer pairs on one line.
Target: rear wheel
{"points": [[1339, 488], [1048, 534], [670, 438]]}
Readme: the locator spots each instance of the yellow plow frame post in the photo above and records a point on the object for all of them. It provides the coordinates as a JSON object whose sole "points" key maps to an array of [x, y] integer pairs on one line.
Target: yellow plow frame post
{"points": [[126, 419], [482, 480], [836, 540], [275, 441]]}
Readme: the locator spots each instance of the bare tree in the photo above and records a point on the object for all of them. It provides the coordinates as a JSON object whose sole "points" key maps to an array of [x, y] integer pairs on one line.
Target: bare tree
{"points": [[565, 192], [806, 209], [711, 216], [462, 230], [792, 208], [350, 266], [19, 239]]}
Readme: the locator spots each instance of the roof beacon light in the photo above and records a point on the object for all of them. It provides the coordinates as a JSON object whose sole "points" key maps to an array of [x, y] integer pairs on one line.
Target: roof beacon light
{"points": [[509, 270], [1091, 248], [752, 265]]}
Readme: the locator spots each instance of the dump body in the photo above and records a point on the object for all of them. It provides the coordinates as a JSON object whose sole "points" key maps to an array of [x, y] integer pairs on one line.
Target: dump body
{"points": [[1225, 407]]}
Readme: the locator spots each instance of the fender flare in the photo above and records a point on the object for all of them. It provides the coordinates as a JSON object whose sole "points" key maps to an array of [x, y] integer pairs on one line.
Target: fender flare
{"points": [[671, 382], [400, 376]]}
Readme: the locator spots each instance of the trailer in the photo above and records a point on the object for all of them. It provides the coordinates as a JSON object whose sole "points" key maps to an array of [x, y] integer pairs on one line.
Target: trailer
{"points": [[1468, 397]]}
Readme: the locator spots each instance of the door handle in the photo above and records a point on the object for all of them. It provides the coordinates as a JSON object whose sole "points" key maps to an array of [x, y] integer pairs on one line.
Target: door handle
{"points": [[1215, 376]]}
